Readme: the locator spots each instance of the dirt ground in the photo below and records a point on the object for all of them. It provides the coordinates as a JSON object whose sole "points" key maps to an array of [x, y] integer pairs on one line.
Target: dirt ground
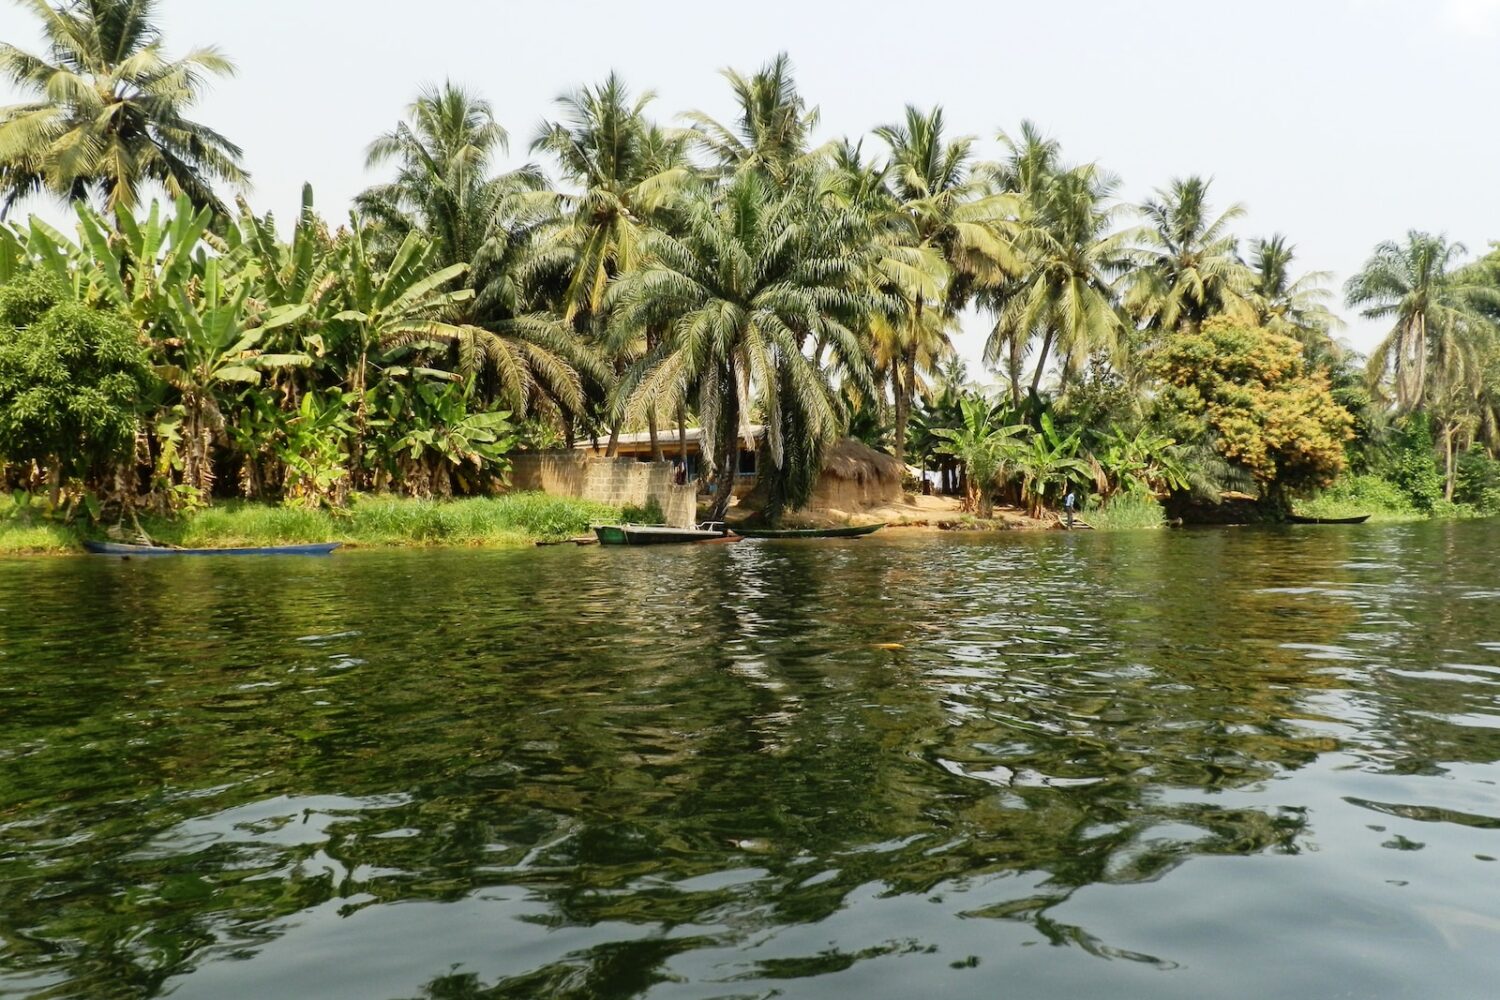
{"points": [[913, 512]]}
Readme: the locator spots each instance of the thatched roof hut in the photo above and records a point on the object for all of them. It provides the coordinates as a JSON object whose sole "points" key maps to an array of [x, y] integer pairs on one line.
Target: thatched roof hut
{"points": [[855, 477]]}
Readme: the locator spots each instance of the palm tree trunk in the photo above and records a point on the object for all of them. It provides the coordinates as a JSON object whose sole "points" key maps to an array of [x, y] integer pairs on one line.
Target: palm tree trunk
{"points": [[1421, 351], [682, 433], [357, 445], [656, 452], [906, 391], [1041, 363], [728, 457], [1450, 471], [614, 441], [1013, 368]]}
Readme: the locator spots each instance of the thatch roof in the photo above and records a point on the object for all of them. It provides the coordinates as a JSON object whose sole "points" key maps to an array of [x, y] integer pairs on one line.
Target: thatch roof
{"points": [[852, 460]]}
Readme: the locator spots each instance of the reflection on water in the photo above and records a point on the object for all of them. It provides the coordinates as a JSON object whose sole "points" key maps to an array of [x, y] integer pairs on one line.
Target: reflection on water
{"points": [[1138, 765]]}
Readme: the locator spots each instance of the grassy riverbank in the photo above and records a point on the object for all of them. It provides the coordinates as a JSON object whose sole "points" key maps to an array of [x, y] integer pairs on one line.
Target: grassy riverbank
{"points": [[512, 520], [1383, 501]]}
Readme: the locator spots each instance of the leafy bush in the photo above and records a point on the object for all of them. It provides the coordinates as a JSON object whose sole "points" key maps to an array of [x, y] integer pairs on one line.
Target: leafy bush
{"points": [[1132, 509], [651, 513], [1251, 393], [70, 378], [1478, 482]]}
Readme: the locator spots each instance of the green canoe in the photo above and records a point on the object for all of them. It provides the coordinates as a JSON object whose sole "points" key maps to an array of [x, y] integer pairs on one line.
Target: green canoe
{"points": [[849, 531], [655, 534]]}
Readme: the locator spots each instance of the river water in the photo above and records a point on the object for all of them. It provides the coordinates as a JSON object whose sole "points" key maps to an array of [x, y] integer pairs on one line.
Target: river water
{"points": [[1192, 764]]}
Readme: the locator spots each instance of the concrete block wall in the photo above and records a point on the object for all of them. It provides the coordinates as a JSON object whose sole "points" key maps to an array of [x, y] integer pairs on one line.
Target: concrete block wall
{"points": [[618, 482]]}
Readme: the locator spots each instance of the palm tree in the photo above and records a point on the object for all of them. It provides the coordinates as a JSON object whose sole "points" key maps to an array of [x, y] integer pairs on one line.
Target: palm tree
{"points": [[465, 217], [1188, 266], [753, 273], [444, 186], [940, 212], [109, 111], [605, 146], [773, 129], [627, 171], [1438, 308], [1074, 255], [1297, 307]]}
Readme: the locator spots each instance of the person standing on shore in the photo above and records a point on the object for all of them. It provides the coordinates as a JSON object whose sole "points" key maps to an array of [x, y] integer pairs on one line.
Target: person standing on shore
{"points": [[1070, 504]]}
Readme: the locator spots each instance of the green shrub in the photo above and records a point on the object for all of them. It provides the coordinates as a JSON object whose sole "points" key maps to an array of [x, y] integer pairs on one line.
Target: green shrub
{"points": [[1412, 465], [70, 378], [1130, 510], [651, 513], [1365, 494], [1478, 484]]}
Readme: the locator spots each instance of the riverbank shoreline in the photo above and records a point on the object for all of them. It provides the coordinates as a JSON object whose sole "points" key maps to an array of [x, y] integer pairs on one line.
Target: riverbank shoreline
{"points": [[514, 520]]}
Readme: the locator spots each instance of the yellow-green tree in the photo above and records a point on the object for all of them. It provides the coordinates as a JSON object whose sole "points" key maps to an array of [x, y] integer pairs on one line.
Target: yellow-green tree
{"points": [[1250, 393]]}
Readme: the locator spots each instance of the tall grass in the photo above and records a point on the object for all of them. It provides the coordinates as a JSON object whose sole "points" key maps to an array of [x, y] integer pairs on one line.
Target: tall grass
{"points": [[20, 538], [1353, 496], [513, 519], [1126, 512]]}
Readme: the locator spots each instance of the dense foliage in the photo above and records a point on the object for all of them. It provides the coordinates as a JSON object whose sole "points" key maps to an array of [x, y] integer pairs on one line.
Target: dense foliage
{"points": [[70, 377], [725, 275], [1248, 392]]}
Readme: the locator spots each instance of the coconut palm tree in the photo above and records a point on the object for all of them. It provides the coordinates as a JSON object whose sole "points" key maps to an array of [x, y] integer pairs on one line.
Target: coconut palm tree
{"points": [[1438, 308], [605, 145], [772, 130], [753, 273], [466, 217], [1074, 254], [1295, 306], [109, 111], [445, 188], [627, 171], [940, 211], [1187, 263]]}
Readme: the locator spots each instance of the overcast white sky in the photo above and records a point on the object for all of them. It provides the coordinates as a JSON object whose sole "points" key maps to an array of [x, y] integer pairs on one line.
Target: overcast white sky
{"points": [[1338, 122]]}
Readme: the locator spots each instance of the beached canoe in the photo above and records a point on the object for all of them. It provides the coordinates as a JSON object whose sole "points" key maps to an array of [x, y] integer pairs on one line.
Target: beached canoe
{"points": [[656, 534], [1298, 519], [120, 549], [848, 531]]}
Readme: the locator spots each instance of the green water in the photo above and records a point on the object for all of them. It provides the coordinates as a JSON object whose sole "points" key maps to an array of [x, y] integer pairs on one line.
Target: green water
{"points": [[1220, 764]]}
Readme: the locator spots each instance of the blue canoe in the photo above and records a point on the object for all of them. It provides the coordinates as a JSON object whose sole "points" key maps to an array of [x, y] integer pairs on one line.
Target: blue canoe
{"points": [[118, 549]]}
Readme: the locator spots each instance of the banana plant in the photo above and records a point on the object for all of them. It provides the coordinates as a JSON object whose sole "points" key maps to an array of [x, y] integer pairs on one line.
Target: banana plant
{"points": [[314, 452], [141, 265], [1049, 459], [986, 447], [1145, 460], [215, 349], [440, 443], [39, 245], [391, 308]]}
